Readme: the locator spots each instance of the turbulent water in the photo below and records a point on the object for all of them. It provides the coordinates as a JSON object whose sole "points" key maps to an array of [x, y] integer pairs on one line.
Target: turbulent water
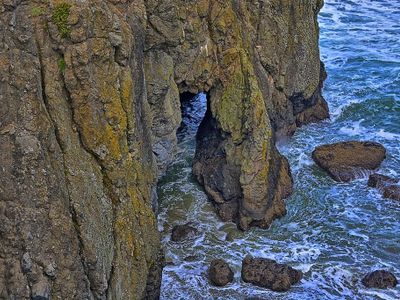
{"points": [[335, 233]]}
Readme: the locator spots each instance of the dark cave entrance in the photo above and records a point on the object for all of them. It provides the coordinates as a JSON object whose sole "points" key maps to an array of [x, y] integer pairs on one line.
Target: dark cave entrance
{"points": [[193, 110]]}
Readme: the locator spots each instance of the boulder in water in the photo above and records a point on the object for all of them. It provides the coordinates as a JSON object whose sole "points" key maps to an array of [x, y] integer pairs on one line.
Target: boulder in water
{"points": [[269, 274], [345, 161], [380, 181], [219, 273], [183, 232], [392, 192], [386, 184], [380, 279]]}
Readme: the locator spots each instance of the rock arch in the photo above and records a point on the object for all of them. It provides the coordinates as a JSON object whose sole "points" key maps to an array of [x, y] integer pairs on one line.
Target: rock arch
{"points": [[217, 47]]}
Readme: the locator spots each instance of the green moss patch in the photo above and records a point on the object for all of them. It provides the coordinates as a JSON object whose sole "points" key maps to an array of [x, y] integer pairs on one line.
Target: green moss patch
{"points": [[60, 18], [37, 11], [61, 65]]}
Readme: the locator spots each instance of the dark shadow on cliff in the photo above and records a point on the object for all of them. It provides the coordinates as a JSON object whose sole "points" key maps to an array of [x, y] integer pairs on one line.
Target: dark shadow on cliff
{"points": [[193, 109]]}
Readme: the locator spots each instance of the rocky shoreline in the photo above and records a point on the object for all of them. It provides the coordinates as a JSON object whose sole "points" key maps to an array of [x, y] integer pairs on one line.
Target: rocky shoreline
{"points": [[343, 161], [90, 97]]}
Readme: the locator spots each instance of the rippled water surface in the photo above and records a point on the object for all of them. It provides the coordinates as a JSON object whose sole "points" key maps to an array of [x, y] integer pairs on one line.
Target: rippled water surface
{"points": [[333, 232]]}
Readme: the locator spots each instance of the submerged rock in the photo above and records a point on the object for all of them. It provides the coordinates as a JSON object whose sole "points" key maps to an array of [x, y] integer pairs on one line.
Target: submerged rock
{"points": [[386, 184], [269, 274], [379, 279], [380, 181], [346, 161], [219, 273], [183, 232]]}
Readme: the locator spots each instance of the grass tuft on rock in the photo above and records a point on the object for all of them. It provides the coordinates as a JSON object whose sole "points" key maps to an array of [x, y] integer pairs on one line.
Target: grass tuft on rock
{"points": [[60, 18], [37, 11], [61, 65]]}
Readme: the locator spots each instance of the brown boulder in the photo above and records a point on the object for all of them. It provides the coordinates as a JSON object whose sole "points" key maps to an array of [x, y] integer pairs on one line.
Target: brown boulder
{"points": [[219, 273], [379, 279], [392, 192], [183, 232], [269, 274], [345, 161]]}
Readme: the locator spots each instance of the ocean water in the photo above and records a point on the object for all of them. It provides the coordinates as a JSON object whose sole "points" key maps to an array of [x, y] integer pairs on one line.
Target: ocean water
{"points": [[334, 233]]}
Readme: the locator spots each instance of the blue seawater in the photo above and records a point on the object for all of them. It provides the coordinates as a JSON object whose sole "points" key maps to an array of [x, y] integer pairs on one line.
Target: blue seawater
{"points": [[335, 233]]}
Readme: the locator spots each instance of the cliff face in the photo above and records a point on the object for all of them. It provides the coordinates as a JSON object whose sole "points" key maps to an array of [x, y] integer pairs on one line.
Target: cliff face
{"points": [[89, 109]]}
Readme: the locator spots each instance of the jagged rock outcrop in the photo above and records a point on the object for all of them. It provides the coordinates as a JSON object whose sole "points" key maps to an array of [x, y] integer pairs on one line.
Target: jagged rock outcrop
{"points": [[89, 94], [259, 64]]}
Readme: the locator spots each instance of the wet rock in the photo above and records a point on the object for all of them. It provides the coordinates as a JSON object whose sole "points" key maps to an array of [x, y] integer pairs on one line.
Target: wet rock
{"points": [[191, 258], [392, 192], [379, 279], [267, 273], [386, 184], [234, 235], [228, 211], [346, 161], [219, 273], [380, 181], [183, 232]]}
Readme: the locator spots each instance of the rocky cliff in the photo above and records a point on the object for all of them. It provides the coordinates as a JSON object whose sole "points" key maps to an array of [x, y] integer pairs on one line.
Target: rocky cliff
{"points": [[89, 110]]}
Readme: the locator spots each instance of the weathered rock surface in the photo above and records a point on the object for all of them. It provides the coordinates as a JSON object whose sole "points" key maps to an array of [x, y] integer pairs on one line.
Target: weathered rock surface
{"points": [[380, 279], [219, 273], [346, 161], [77, 168], [183, 232], [267, 273], [89, 94]]}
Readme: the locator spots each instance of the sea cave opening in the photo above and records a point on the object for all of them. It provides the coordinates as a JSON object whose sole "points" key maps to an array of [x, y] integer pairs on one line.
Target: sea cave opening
{"points": [[193, 110]]}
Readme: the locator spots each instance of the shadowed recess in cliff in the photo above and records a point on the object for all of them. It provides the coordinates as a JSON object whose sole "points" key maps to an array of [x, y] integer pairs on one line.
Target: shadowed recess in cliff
{"points": [[193, 109]]}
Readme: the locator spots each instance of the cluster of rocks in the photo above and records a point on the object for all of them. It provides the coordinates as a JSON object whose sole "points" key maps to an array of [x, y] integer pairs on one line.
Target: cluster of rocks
{"points": [[344, 162], [262, 272], [347, 161], [267, 273]]}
